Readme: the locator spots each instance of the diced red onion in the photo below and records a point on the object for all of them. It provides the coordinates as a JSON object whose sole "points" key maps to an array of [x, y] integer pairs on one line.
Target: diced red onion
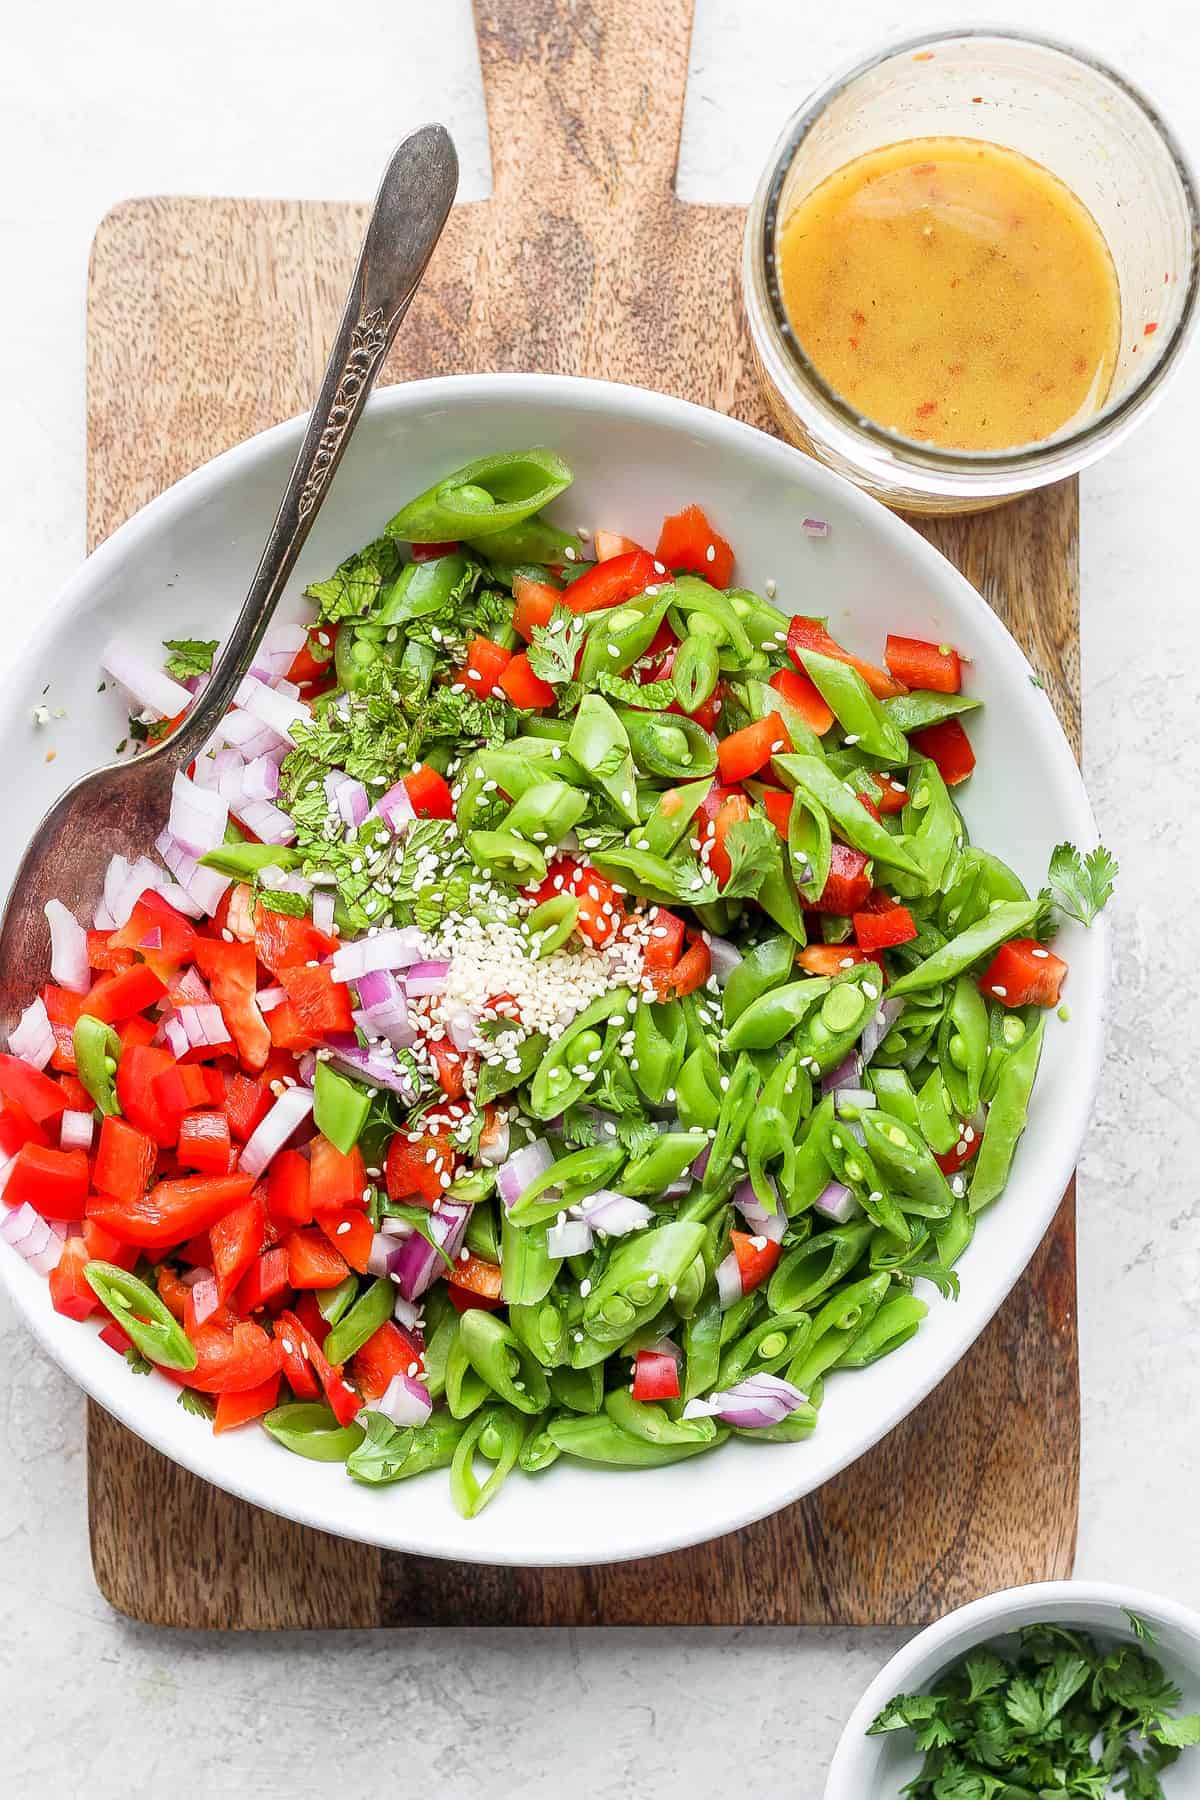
{"points": [[248, 735], [771, 1225], [678, 1189], [190, 986], [521, 1169], [612, 1213], [68, 949], [395, 1228], [150, 687], [347, 797], [725, 958], [495, 1151], [406, 1312], [268, 822], [376, 1066], [205, 1297], [250, 781], [396, 948], [729, 1282], [395, 809], [278, 880], [878, 1026], [406, 1401], [845, 1075], [204, 888], [75, 1131], [190, 1277], [848, 1100], [289, 1112], [277, 652], [32, 1037], [271, 708], [205, 1025], [198, 816], [461, 1025], [818, 528], [388, 1023], [572, 1238], [152, 939], [174, 1036], [268, 998], [415, 1265], [324, 907], [426, 978], [382, 1246], [754, 1404], [836, 1202], [31, 1236], [701, 1162]]}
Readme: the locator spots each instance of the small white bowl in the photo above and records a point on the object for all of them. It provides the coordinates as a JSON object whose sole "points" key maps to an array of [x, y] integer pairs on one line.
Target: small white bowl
{"points": [[877, 1768]]}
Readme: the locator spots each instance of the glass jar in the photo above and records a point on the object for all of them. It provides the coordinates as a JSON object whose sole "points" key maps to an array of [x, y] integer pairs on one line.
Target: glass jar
{"points": [[1060, 108]]}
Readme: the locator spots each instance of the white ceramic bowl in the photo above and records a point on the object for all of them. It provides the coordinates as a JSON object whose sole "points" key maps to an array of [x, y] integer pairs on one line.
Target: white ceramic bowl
{"points": [[877, 1768], [179, 569]]}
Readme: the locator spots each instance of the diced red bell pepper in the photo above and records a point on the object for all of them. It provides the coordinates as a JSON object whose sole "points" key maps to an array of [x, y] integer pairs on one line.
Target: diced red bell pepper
{"points": [[687, 541], [53, 1182], [157, 932], [756, 1258], [342, 1398], [420, 553], [204, 1142], [599, 917], [611, 582], [171, 1290], [464, 1301], [881, 930], [231, 1361], [313, 659], [231, 971], [743, 753], [921, 665], [140, 1030], [963, 1151], [335, 1181], [239, 1409], [264, 1280], [127, 992], [778, 807], [322, 1004], [62, 1009], [485, 664], [477, 1276], [450, 1067], [848, 884], [387, 1353], [294, 1337], [104, 955], [429, 792], [287, 1032], [655, 1376], [137, 1069], [187, 1086], [708, 712], [172, 1211], [236, 1237], [281, 941], [665, 945], [105, 1246], [351, 1233], [607, 544], [247, 1103], [116, 1339], [70, 1293], [1023, 973], [810, 634], [534, 606], [312, 1260], [802, 692], [36, 1094], [948, 746], [834, 959], [78, 1098], [527, 691], [17, 1128], [414, 1171], [125, 1159], [892, 796], [689, 973], [721, 809], [288, 1201]]}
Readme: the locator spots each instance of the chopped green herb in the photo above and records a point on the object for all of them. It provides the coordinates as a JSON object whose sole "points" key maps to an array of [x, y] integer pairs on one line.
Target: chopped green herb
{"points": [[189, 656]]}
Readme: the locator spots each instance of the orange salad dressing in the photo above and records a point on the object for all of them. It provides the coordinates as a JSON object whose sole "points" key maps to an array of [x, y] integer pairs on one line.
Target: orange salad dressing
{"points": [[954, 291]]}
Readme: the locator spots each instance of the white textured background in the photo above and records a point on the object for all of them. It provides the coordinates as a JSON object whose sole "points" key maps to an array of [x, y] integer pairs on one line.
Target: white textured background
{"points": [[277, 97]]}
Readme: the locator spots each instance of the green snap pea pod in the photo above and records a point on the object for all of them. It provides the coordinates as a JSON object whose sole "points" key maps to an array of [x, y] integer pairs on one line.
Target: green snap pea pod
{"points": [[952, 1235], [766, 625], [579, 1390], [664, 1162], [811, 1269], [333, 1302], [600, 745], [913, 712], [809, 845], [551, 924], [963, 1045], [354, 656], [542, 1328], [738, 1318], [143, 1316], [765, 1348], [652, 1423], [308, 1429], [907, 1165], [932, 827], [575, 1175], [361, 1321], [394, 1453], [779, 897], [419, 589], [522, 763], [689, 1289], [893, 1325], [496, 1078], [555, 1086], [640, 872], [527, 1269], [669, 746], [538, 1450], [507, 857], [438, 1344], [799, 1424], [810, 1167], [771, 1129], [736, 1106], [935, 1121], [851, 1163], [483, 1232], [534, 543], [841, 1319], [617, 637], [1006, 1120], [466, 1389], [855, 707], [701, 1349], [830, 1030], [659, 1047], [758, 700], [978, 880], [503, 1361], [667, 825], [894, 1092], [599, 1440], [495, 1434], [765, 967], [637, 1280], [483, 498], [340, 1107], [816, 781], [696, 669], [1005, 1031], [1006, 920], [693, 600], [414, 676], [242, 862], [776, 1013], [698, 1092], [546, 812], [97, 1053]]}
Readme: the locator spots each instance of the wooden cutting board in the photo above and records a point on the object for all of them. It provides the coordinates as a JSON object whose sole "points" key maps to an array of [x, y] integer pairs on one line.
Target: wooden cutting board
{"points": [[208, 320]]}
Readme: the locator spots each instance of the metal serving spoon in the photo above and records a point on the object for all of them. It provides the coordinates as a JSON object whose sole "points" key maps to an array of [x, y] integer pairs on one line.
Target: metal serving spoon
{"points": [[122, 808]]}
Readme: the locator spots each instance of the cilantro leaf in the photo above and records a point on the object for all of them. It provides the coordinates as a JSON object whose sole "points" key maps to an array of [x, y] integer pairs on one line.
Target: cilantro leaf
{"points": [[189, 656], [554, 647], [137, 1362], [354, 587], [1080, 885], [197, 1403], [752, 846], [985, 1673], [1179, 1733], [636, 1135]]}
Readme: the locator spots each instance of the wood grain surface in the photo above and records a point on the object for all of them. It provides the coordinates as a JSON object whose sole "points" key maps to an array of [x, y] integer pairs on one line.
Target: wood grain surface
{"points": [[207, 321]]}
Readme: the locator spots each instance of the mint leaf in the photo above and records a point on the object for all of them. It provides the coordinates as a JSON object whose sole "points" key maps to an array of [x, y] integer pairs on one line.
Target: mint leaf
{"points": [[189, 656], [651, 696], [354, 587]]}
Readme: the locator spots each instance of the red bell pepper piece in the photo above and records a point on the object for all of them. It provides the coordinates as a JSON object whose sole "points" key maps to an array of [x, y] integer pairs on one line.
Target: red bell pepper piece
{"points": [[62, 1009], [231, 971], [388, 1352], [450, 1067], [171, 1290], [960, 1156], [534, 606], [36, 1094], [239, 1409], [312, 1260], [665, 945], [313, 659], [880, 930], [801, 691], [743, 753], [948, 746], [1022, 973], [892, 796], [756, 1258], [105, 1246], [687, 541], [351, 1233], [342, 1398], [17, 1128], [463, 1300], [608, 583], [140, 1030], [70, 1293], [287, 1032], [689, 973], [335, 1181], [137, 1069], [127, 992], [231, 1361], [172, 1211], [157, 932], [414, 1171], [187, 1086], [280, 941], [106, 956], [921, 665], [322, 1004], [294, 1336], [236, 1237], [288, 1202], [833, 959], [655, 1376], [247, 1103], [526, 690], [204, 1143], [430, 552], [778, 807], [429, 792], [53, 1182], [264, 1280], [125, 1159], [607, 544], [485, 664], [721, 809], [810, 634], [848, 884], [599, 917], [477, 1275]]}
